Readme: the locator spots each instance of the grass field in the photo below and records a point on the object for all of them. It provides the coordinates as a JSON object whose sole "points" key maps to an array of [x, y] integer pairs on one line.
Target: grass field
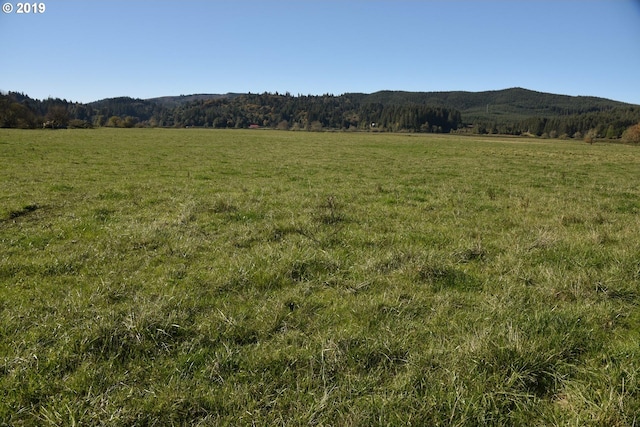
{"points": [[199, 277]]}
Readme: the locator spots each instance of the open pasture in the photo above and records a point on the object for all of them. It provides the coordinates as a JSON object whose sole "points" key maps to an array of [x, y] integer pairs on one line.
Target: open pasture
{"points": [[200, 277]]}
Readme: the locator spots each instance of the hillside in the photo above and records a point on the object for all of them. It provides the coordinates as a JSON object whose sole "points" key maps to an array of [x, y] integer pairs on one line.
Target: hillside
{"points": [[174, 101], [515, 102], [513, 111]]}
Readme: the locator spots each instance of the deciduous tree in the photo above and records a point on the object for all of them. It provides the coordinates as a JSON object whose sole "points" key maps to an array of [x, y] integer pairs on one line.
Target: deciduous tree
{"points": [[632, 135], [57, 116]]}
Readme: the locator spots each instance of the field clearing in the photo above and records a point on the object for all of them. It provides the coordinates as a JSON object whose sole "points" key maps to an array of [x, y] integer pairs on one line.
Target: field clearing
{"points": [[201, 277]]}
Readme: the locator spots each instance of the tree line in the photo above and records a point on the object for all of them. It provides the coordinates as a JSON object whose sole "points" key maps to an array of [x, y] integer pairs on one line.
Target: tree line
{"points": [[383, 111], [265, 110], [609, 124]]}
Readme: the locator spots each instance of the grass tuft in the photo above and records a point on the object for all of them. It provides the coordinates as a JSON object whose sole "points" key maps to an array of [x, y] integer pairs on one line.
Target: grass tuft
{"points": [[25, 210]]}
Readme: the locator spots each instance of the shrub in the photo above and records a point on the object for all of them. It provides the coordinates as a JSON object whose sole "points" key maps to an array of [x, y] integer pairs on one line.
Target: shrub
{"points": [[632, 135], [590, 136], [79, 124]]}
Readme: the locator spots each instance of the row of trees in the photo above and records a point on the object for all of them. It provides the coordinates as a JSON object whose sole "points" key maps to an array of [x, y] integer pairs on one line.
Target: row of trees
{"points": [[243, 111], [389, 111], [19, 111], [312, 113], [609, 124]]}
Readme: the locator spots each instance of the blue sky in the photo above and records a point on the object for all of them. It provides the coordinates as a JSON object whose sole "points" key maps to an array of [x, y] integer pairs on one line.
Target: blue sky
{"points": [[93, 49]]}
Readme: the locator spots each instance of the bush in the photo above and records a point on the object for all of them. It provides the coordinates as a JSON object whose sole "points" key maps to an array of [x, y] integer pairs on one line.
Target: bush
{"points": [[79, 124], [632, 135], [590, 136]]}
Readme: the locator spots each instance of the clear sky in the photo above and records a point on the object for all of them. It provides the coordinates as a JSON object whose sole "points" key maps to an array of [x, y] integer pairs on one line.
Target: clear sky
{"points": [[93, 49]]}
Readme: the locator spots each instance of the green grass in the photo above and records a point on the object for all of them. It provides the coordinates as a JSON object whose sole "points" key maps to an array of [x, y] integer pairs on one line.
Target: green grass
{"points": [[194, 277]]}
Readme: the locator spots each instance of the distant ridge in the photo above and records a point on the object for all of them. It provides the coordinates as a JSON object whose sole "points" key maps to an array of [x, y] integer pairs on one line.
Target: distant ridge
{"points": [[516, 102], [513, 111], [172, 101]]}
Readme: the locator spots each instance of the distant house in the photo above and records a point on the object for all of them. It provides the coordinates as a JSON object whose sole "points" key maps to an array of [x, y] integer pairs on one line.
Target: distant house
{"points": [[254, 126]]}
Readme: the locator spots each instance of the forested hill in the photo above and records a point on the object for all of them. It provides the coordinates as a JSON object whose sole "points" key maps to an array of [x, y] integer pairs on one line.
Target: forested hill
{"points": [[174, 101], [512, 111], [514, 102], [517, 111]]}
